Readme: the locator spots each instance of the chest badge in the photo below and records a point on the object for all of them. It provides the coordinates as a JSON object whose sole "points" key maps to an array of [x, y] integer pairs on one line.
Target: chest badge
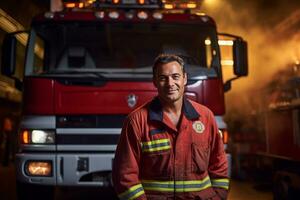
{"points": [[198, 126]]}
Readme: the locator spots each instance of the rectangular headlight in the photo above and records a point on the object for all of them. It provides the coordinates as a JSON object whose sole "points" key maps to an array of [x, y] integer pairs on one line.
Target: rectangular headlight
{"points": [[38, 137], [38, 168]]}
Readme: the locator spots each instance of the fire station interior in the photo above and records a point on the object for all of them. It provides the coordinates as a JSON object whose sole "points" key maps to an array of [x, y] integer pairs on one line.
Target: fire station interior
{"points": [[262, 111]]}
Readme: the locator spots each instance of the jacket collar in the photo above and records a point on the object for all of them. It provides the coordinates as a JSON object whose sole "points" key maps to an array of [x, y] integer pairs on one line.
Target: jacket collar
{"points": [[156, 113]]}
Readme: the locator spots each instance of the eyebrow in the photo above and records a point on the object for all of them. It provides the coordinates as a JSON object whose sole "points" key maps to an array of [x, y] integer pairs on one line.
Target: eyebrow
{"points": [[169, 74]]}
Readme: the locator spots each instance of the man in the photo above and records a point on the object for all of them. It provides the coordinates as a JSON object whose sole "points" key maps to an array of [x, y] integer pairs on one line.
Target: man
{"points": [[170, 147]]}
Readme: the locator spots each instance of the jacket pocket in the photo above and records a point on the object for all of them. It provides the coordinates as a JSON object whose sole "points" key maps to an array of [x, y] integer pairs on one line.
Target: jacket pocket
{"points": [[156, 164], [200, 158]]}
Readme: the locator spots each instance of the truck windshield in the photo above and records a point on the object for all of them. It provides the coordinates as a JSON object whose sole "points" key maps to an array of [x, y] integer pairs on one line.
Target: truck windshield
{"points": [[118, 47]]}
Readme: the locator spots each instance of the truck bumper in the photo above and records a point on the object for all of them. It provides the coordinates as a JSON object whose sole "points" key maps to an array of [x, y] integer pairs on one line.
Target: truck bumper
{"points": [[68, 169]]}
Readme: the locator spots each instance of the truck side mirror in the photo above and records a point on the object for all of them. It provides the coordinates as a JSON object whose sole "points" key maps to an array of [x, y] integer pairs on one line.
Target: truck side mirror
{"points": [[240, 57], [9, 46]]}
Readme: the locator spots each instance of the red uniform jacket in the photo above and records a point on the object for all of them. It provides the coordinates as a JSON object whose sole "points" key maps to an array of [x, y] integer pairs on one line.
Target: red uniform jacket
{"points": [[156, 160]]}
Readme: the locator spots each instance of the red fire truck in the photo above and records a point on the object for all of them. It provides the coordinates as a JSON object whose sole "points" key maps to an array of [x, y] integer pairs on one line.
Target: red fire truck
{"points": [[281, 114], [88, 64]]}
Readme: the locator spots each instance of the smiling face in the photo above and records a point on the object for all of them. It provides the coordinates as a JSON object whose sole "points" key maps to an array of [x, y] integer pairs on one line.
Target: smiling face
{"points": [[169, 79]]}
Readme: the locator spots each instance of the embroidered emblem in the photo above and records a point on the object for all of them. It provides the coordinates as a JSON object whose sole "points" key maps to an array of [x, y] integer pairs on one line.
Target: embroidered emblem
{"points": [[198, 126]]}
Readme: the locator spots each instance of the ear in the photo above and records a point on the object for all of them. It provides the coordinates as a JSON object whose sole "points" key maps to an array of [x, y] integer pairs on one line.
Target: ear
{"points": [[185, 78]]}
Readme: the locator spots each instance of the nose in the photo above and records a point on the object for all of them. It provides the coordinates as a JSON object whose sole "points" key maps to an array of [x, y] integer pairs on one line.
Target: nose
{"points": [[170, 81]]}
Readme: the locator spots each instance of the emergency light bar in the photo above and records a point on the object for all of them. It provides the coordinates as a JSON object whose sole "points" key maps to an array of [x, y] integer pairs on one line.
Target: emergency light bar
{"points": [[126, 4], [98, 4]]}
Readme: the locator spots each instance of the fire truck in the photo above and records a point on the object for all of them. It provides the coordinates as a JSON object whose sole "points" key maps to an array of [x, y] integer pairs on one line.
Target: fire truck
{"points": [[281, 115], [88, 64]]}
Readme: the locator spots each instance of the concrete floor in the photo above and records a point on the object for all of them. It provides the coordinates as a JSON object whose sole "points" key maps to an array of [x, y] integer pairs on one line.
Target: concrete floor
{"points": [[243, 190]]}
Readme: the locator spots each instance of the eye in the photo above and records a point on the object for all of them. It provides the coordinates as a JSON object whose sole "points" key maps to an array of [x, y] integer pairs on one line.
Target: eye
{"points": [[162, 78], [176, 76]]}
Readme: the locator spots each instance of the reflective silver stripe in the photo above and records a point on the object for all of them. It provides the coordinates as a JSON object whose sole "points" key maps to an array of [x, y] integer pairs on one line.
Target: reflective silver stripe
{"points": [[132, 193], [177, 186], [91, 131], [222, 183]]}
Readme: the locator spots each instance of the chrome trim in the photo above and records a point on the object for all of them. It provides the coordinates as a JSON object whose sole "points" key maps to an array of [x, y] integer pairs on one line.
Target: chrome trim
{"points": [[220, 122], [38, 122], [95, 148], [91, 131], [37, 147]]}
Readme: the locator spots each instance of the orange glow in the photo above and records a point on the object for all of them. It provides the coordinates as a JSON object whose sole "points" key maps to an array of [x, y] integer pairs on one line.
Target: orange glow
{"points": [[7, 124], [39, 168], [191, 5], [25, 137], [70, 5], [225, 42], [141, 1], [227, 62], [80, 5], [225, 136], [169, 6], [116, 1]]}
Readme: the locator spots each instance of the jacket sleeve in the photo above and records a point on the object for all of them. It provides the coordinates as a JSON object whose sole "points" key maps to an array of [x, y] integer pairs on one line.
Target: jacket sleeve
{"points": [[125, 172], [218, 164]]}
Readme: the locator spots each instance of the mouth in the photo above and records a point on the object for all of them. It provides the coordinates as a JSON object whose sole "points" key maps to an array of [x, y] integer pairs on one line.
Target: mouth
{"points": [[171, 91]]}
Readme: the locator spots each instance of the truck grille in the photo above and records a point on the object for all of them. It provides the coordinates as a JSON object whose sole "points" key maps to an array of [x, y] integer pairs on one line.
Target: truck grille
{"points": [[90, 121], [68, 139]]}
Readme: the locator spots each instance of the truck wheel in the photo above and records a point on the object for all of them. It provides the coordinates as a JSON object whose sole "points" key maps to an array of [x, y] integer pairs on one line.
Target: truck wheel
{"points": [[34, 192], [282, 188]]}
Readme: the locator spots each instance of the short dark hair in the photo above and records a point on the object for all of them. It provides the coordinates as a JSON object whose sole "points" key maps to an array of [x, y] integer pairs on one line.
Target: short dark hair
{"points": [[167, 58]]}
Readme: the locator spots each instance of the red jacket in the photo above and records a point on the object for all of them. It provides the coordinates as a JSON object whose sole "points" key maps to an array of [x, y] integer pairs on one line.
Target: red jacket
{"points": [[155, 160]]}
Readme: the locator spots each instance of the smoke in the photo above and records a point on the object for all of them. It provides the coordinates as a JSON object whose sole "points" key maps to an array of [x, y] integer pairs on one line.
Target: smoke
{"points": [[271, 30], [273, 36]]}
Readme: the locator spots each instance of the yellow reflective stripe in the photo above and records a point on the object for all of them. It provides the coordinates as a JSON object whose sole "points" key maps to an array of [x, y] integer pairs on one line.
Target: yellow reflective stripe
{"points": [[156, 142], [177, 186], [192, 189], [221, 183], [157, 149], [193, 182], [159, 189], [166, 186], [137, 195], [156, 145], [132, 193]]}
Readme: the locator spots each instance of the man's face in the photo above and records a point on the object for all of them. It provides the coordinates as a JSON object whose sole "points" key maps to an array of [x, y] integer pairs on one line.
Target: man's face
{"points": [[170, 81]]}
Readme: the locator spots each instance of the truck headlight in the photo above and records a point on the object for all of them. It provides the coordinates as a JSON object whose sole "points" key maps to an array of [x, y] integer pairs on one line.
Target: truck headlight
{"points": [[38, 168], [38, 137]]}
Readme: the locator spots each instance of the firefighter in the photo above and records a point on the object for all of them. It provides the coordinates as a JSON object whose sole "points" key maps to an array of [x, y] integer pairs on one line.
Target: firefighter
{"points": [[170, 147]]}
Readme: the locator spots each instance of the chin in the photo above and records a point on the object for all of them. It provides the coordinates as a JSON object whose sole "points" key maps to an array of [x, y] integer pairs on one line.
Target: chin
{"points": [[171, 99]]}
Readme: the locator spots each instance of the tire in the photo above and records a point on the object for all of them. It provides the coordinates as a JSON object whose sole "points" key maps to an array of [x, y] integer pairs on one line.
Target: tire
{"points": [[282, 188], [27, 191]]}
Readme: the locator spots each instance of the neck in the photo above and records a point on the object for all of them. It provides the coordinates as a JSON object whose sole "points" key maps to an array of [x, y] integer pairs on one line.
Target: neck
{"points": [[174, 107]]}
